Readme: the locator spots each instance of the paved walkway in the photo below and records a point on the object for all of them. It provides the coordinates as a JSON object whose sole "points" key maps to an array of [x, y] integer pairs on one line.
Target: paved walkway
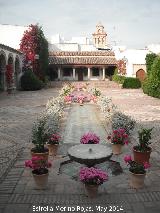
{"points": [[83, 119], [17, 192]]}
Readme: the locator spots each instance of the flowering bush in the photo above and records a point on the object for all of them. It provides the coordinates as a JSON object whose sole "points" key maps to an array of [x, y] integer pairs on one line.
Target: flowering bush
{"points": [[80, 98], [38, 164], [89, 138], [144, 140], [9, 74], [66, 90], [118, 136], [92, 176], [135, 167], [106, 107], [67, 98], [120, 120], [96, 92], [54, 139]]}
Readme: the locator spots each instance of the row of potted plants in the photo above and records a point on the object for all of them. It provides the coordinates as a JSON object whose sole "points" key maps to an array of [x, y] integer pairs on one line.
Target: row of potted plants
{"points": [[137, 167]]}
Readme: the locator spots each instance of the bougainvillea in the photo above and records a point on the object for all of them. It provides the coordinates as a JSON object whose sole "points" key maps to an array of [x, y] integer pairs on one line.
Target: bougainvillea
{"points": [[35, 48], [9, 74], [121, 64]]}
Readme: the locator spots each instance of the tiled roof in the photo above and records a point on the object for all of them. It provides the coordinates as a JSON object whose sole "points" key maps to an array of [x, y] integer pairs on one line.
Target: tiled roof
{"points": [[83, 53], [5, 47], [85, 58]]}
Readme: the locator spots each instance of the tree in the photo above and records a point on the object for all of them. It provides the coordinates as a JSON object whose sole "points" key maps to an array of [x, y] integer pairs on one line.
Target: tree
{"points": [[152, 84], [35, 48], [149, 61]]}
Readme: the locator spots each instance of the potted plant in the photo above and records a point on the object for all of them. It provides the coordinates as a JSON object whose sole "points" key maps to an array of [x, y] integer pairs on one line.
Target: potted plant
{"points": [[39, 138], [137, 171], [142, 151], [53, 144], [118, 139], [40, 172], [89, 138], [80, 99], [92, 178]]}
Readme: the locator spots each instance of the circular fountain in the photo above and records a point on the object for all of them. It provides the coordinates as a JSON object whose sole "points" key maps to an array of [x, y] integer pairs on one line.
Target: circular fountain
{"points": [[90, 154]]}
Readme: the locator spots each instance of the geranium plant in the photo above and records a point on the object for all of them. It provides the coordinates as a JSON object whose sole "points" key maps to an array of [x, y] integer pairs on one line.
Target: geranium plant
{"points": [[92, 176], [90, 138], [67, 98], [80, 98], [144, 140], [54, 139], [118, 136], [39, 165], [134, 167]]}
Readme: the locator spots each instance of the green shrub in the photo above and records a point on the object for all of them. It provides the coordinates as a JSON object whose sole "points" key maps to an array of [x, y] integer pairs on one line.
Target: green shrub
{"points": [[30, 82], [118, 78], [152, 84], [132, 83], [149, 61]]}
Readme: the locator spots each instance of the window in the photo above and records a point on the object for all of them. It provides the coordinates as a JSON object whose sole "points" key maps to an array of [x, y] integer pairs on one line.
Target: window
{"points": [[95, 71]]}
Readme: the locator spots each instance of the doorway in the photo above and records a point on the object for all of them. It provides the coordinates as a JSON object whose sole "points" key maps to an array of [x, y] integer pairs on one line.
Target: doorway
{"points": [[80, 74]]}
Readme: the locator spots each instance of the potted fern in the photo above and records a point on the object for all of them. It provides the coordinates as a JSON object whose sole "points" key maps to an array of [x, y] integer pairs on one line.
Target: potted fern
{"points": [[142, 151]]}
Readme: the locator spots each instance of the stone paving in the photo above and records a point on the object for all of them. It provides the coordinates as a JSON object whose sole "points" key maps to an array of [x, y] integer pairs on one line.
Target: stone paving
{"points": [[17, 191]]}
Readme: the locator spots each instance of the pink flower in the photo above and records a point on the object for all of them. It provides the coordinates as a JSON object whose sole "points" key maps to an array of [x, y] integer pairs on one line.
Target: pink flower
{"points": [[127, 158], [146, 165], [115, 131], [126, 142]]}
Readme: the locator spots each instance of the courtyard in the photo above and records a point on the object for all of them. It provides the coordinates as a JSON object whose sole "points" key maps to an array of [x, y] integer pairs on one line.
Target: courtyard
{"points": [[17, 193]]}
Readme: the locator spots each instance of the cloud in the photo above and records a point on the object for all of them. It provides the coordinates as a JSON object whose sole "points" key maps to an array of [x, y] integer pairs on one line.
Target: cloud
{"points": [[131, 22]]}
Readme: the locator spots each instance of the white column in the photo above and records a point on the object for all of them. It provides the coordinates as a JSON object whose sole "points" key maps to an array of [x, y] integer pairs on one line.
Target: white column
{"points": [[74, 73], [89, 73], [59, 73], [103, 76]]}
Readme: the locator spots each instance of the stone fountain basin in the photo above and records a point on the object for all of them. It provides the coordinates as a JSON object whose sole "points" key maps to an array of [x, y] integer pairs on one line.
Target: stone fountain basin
{"points": [[90, 154]]}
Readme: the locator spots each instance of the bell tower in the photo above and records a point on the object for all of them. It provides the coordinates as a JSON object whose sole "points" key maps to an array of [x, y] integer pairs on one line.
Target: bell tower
{"points": [[100, 36]]}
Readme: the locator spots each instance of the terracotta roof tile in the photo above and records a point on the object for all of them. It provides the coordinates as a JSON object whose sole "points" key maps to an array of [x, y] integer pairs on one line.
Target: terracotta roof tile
{"points": [[71, 58]]}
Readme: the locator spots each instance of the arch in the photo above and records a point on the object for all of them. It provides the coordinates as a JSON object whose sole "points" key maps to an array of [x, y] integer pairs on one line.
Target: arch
{"points": [[2, 69], [141, 74], [10, 59]]}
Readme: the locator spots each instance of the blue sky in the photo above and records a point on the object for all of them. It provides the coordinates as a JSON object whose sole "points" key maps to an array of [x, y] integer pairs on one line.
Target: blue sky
{"points": [[135, 23]]}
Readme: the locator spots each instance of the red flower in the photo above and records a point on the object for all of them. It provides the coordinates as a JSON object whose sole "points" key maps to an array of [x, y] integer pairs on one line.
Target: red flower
{"points": [[109, 137]]}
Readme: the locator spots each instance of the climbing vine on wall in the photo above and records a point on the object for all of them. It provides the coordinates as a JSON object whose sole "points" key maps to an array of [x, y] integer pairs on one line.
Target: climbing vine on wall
{"points": [[9, 74], [35, 48]]}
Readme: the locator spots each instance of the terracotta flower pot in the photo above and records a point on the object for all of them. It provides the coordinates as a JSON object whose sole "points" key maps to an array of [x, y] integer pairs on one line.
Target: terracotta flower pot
{"points": [[41, 181], [117, 149], [42, 154], [53, 149], [141, 157], [137, 180], [91, 190]]}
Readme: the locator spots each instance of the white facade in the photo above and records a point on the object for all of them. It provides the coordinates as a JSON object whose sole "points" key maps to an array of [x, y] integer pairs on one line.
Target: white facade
{"points": [[11, 35], [133, 57], [58, 43]]}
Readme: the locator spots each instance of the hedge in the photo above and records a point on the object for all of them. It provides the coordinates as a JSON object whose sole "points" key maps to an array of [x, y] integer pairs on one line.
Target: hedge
{"points": [[132, 83]]}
